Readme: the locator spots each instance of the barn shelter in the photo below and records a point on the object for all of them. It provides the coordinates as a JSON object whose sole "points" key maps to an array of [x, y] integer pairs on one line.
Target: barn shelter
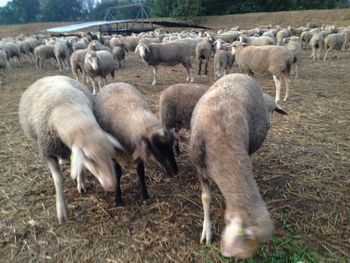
{"points": [[123, 27]]}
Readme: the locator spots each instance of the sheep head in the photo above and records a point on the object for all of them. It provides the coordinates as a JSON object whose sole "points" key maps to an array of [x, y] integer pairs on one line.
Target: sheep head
{"points": [[96, 155], [237, 45], [240, 238], [158, 145], [91, 59]]}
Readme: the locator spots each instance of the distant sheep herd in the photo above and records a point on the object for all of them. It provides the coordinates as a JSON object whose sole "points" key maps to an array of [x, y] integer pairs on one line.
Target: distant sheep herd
{"points": [[113, 124]]}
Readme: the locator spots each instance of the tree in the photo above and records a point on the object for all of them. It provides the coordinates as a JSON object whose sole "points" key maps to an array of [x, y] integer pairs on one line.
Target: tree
{"points": [[61, 10]]}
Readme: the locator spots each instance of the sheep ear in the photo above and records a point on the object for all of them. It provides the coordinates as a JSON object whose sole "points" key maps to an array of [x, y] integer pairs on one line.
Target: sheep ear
{"points": [[137, 49], [76, 162], [115, 142], [280, 110], [142, 150]]}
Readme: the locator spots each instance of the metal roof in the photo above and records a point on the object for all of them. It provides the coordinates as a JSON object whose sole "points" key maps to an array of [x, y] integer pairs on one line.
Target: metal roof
{"points": [[75, 27]]}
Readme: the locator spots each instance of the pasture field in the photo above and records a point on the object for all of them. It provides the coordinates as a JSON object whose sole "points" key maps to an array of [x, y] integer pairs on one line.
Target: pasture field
{"points": [[303, 173]]}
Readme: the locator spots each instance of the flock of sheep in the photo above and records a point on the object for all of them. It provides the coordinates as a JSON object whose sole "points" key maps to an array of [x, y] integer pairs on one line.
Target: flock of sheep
{"points": [[229, 120]]}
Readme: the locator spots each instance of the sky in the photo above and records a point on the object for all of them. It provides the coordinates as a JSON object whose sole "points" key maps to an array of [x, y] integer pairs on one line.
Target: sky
{"points": [[3, 2]]}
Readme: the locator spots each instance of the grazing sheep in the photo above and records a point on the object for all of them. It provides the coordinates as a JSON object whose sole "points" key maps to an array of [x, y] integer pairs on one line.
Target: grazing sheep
{"points": [[99, 64], [274, 60], [229, 123], [4, 64], [166, 54], [316, 43], [256, 41], [120, 54], [43, 52], [223, 62], [333, 41], [176, 104], [62, 55], [56, 112], [121, 110], [203, 52], [293, 45]]}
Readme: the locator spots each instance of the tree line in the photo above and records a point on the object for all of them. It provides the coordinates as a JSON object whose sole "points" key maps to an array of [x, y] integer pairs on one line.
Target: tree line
{"points": [[29, 11]]}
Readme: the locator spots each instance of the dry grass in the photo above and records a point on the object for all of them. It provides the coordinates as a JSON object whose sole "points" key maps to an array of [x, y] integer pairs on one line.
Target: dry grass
{"points": [[302, 171]]}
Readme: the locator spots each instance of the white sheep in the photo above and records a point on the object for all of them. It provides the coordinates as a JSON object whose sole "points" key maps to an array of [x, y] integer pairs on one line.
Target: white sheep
{"points": [[203, 52], [256, 41], [43, 52], [166, 54], [223, 62], [56, 112], [99, 64], [229, 123], [293, 45], [4, 64], [333, 41], [274, 60], [316, 43]]}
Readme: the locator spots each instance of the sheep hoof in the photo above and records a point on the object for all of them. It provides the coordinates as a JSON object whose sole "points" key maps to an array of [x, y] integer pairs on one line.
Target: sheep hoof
{"points": [[81, 188], [154, 83]]}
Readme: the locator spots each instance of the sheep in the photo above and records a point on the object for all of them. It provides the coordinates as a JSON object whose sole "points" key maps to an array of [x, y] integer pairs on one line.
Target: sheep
{"points": [[346, 33], [229, 36], [167, 54], [293, 45], [333, 41], [4, 64], [229, 123], [96, 45], [56, 113], [295, 31], [316, 43], [122, 111], [269, 34], [305, 38], [99, 64], [77, 63], [203, 52], [129, 42], [223, 62], [42, 53], [120, 54], [284, 33], [256, 41], [274, 60], [176, 104], [81, 44], [12, 50], [62, 55], [313, 25]]}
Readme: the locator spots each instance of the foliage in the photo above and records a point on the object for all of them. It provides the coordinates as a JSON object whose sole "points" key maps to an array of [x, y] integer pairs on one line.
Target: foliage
{"points": [[27, 11]]}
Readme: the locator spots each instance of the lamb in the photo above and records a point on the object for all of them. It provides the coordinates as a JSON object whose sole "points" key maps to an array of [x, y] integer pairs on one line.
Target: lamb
{"points": [[256, 41], [121, 110], [56, 113], [333, 41], [99, 64], [176, 104], [229, 123], [274, 60], [62, 55], [4, 64], [42, 53], [120, 54], [316, 43], [167, 54], [203, 52], [223, 62]]}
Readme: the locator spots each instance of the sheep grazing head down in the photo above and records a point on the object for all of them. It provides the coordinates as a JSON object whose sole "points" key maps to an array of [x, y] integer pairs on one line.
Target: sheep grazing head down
{"points": [[158, 145], [91, 58], [96, 156], [241, 238]]}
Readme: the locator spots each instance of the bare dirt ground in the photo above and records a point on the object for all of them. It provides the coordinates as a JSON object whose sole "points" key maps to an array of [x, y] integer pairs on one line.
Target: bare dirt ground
{"points": [[302, 171]]}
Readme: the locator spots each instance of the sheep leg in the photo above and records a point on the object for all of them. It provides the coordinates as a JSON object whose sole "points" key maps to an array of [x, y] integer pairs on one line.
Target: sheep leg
{"points": [[93, 85], [206, 67], [199, 66], [287, 84], [206, 199], [118, 192], [278, 87], [155, 77], [58, 180], [188, 67], [176, 146], [325, 56], [141, 174], [80, 184]]}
